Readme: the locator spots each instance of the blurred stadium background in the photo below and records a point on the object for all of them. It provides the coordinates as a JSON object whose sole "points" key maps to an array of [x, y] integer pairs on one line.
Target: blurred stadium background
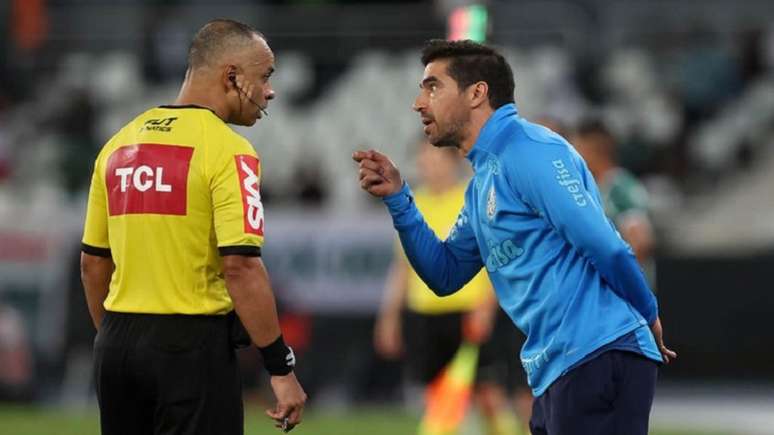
{"points": [[687, 87]]}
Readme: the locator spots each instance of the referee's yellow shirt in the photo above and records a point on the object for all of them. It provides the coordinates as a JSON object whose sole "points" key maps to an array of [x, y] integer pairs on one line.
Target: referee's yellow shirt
{"points": [[171, 192], [440, 212]]}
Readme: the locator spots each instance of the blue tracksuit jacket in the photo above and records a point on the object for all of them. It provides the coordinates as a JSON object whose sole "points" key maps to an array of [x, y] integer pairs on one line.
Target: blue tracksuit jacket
{"points": [[533, 217]]}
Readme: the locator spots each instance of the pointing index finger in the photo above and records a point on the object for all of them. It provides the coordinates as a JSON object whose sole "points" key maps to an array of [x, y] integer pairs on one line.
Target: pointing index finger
{"points": [[359, 155]]}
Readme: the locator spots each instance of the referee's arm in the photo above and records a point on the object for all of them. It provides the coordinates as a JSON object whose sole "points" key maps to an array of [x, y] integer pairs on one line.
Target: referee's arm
{"points": [[96, 259], [95, 274], [248, 284]]}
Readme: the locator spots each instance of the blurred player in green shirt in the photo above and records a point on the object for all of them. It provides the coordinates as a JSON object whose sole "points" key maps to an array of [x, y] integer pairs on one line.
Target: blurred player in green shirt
{"points": [[624, 197]]}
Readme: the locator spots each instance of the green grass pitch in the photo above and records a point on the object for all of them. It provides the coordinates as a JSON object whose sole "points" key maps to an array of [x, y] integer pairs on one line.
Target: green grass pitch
{"points": [[16, 420]]}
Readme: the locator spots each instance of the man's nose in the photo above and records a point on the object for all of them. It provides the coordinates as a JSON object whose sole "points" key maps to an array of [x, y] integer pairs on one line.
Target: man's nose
{"points": [[419, 104]]}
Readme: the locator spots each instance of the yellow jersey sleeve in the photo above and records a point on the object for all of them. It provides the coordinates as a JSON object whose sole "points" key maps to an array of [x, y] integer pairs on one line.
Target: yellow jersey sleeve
{"points": [[95, 233], [236, 200]]}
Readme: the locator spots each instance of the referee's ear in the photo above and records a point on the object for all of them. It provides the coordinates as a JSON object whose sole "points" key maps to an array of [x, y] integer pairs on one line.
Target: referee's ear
{"points": [[230, 82], [229, 78]]}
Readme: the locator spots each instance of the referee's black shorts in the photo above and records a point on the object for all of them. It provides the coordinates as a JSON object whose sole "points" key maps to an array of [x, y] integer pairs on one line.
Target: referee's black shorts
{"points": [[432, 340], [167, 374]]}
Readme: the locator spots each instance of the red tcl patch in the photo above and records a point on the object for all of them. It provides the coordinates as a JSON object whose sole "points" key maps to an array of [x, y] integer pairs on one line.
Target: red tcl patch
{"points": [[247, 168], [148, 178]]}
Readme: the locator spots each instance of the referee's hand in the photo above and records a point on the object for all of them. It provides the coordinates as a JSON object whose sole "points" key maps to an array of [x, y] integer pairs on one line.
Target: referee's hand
{"points": [[290, 401]]}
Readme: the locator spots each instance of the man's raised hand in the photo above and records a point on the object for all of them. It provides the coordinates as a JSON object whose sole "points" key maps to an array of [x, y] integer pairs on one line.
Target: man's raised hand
{"points": [[377, 173]]}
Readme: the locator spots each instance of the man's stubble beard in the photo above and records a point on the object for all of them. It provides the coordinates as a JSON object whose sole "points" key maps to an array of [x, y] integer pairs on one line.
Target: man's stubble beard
{"points": [[455, 135]]}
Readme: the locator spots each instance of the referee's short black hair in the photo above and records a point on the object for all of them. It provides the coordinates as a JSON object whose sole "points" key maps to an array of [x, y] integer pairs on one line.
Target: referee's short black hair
{"points": [[216, 37], [471, 62]]}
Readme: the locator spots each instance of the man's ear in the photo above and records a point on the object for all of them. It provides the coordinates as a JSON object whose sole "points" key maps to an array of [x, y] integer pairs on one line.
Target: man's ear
{"points": [[229, 77], [478, 94]]}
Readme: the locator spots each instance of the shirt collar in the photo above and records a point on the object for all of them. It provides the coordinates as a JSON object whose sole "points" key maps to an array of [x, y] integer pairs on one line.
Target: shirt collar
{"points": [[186, 106], [490, 130]]}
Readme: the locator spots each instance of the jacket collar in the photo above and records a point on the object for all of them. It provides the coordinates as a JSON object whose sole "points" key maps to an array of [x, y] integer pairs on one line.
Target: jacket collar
{"points": [[489, 131]]}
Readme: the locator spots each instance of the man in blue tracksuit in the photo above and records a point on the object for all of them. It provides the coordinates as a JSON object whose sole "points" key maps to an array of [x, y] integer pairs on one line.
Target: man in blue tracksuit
{"points": [[533, 217]]}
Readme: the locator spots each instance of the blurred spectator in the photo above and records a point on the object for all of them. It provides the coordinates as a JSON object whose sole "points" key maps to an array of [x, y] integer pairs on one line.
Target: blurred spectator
{"points": [[768, 49], [5, 150], [706, 75], [15, 356], [752, 55], [23, 32], [5, 73], [29, 24], [163, 38], [75, 124]]}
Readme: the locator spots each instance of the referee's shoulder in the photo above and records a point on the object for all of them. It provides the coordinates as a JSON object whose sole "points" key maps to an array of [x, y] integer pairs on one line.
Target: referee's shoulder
{"points": [[114, 141], [243, 145], [127, 130], [224, 135]]}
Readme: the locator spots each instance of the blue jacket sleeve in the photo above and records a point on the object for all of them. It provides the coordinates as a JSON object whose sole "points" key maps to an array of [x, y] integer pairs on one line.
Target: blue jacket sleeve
{"points": [[444, 266], [557, 183]]}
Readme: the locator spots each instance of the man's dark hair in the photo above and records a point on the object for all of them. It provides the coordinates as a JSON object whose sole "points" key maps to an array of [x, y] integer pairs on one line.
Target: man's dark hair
{"points": [[218, 36], [471, 62]]}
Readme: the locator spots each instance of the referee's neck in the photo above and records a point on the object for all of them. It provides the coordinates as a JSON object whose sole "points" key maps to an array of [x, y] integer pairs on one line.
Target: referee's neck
{"points": [[203, 93]]}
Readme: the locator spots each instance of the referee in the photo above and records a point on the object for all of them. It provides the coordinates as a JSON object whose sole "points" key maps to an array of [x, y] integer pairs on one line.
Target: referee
{"points": [[171, 253]]}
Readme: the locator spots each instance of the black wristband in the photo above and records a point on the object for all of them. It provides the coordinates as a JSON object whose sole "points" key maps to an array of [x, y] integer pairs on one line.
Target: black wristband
{"points": [[278, 358]]}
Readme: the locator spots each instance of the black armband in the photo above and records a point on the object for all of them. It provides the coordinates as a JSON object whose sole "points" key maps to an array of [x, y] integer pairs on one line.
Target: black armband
{"points": [[96, 251], [245, 250], [278, 358]]}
